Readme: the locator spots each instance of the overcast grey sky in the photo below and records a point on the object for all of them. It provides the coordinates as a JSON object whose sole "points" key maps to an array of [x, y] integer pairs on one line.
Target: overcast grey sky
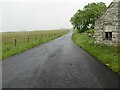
{"points": [[25, 15]]}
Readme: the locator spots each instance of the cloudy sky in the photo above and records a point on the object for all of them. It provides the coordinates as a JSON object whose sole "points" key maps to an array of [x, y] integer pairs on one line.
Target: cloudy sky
{"points": [[25, 15]]}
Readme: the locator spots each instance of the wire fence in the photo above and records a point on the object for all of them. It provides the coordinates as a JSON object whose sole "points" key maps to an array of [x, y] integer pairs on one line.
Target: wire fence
{"points": [[9, 43]]}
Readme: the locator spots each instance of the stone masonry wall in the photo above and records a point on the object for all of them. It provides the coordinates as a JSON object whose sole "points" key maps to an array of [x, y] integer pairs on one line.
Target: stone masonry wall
{"points": [[119, 22], [108, 22]]}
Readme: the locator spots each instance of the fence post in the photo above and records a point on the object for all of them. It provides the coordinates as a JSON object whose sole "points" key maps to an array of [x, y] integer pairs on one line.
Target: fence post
{"points": [[15, 42], [28, 39]]}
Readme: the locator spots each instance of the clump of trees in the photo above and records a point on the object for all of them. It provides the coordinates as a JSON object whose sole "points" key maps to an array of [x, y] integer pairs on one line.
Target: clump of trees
{"points": [[84, 19]]}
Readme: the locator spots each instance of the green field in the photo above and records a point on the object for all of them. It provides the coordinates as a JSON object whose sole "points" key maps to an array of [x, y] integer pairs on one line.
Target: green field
{"points": [[108, 55], [16, 42]]}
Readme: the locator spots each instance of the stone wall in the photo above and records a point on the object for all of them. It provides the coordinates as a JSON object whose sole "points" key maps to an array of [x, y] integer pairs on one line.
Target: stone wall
{"points": [[119, 22], [108, 22]]}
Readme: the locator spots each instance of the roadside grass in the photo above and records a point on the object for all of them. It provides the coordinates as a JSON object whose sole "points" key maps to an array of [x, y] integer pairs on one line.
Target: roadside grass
{"points": [[25, 41], [108, 55]]}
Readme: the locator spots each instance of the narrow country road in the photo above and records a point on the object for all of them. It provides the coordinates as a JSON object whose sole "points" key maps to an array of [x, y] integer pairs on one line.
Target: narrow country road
{"points": [[56, 64]]}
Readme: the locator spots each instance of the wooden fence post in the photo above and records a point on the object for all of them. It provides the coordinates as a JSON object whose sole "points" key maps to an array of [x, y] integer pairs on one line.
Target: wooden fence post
{"points": [[28, 39], [15, 42]]}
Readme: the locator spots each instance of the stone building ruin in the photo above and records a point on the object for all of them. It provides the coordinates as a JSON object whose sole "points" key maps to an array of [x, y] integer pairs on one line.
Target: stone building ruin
{"points": [[107, 26]]}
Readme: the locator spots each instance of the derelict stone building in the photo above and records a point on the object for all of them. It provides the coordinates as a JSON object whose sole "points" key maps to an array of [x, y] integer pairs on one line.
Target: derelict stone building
{"points": [[107, 29]]}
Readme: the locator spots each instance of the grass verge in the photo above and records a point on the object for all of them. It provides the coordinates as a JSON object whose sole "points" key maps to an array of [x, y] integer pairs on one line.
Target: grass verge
{"points": [[108, 55], [22, 47]]}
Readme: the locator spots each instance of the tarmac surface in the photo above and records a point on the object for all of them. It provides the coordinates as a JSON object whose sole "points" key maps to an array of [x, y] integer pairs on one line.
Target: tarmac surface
{"points": [[56, 64]]}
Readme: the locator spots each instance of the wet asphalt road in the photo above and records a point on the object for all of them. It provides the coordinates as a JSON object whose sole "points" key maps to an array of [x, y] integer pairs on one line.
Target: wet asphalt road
{"points": [[56, 64]]}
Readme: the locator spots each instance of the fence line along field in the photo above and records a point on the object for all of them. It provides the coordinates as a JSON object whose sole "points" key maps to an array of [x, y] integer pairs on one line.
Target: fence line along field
{"points": [[15, 42]]}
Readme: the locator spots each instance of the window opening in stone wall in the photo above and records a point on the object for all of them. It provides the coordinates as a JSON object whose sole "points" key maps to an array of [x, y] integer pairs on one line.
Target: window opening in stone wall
{"points": [[108, 35]]}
